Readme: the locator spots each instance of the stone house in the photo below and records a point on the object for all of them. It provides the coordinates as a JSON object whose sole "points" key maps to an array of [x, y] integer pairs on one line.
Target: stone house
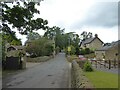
{"points": [[92, 43], [108, 52], [15, 57], [12, 50]]}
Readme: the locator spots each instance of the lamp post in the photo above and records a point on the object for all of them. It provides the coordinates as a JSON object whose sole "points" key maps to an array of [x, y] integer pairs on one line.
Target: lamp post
{"points": [[69, 48], [53, 46]]}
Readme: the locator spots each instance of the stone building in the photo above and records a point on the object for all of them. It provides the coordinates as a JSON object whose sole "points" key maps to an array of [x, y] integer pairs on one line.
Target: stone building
{"points": [[110, 52], [92, 43]]}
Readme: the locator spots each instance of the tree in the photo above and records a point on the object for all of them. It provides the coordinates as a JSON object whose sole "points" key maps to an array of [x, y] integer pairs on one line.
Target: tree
{"points": [[85, 35], [11, 39], [33, 36], [21, 17], [40, 47], [56, 33]]}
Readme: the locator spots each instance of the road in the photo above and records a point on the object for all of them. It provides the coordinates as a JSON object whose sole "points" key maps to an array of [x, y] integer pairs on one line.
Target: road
{"points": [[51, 74]]}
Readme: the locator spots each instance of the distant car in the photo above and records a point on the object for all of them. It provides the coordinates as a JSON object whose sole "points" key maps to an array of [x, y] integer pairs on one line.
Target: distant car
{"points": [[81, 57], [93, 59]]}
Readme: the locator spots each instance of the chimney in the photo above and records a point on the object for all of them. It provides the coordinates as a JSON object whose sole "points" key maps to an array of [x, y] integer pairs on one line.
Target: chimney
{"points": [[96, 35]]}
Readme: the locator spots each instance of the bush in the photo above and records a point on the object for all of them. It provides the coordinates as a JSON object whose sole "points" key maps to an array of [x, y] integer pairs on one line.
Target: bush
{"points": [[72, 52], [40, 47], [77, 51], [57, 50], [87, 51], [81, 63], [88, 67]]}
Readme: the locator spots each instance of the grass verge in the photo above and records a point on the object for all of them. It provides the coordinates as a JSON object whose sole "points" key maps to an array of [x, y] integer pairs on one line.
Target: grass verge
{"points": [[38, 59], [72, 57], [102, 79]]}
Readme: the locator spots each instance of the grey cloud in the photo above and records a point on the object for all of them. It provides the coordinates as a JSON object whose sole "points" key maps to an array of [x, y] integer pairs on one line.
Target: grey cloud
{"points": [[100, 15]]}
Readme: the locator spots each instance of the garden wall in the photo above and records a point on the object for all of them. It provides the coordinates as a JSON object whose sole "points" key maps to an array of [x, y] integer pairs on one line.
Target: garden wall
{"points": [[78, 79]]}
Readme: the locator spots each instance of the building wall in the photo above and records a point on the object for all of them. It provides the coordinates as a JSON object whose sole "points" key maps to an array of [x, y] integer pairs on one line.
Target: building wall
{"points": [[95, 44], [99, 55], [111, 54]]}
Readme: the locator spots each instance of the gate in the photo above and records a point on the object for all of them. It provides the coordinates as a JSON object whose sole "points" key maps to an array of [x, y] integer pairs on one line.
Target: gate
{"points": [[12, 63]]}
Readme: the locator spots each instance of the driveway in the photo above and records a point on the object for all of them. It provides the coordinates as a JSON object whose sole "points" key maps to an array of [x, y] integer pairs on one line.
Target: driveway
{"points": [[51, 74]]}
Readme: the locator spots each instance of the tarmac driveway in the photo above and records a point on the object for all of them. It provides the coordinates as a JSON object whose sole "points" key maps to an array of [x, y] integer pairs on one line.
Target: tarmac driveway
{"points": [[51, 74]]}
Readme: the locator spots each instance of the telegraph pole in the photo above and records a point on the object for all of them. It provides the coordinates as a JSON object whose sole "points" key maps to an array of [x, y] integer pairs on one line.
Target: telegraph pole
{"points": [[53, 46]]}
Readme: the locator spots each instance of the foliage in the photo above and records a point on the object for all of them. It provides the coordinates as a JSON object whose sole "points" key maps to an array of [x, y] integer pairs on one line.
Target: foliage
{"points": [[72, 52], [33, 36], [81, 63], [20, 15], [86, 51], [56, 33], [86, 35], [88, 67], [77, 51], [40, 47], [38, 59], [57, 50], [11, 39], [2, 48]]}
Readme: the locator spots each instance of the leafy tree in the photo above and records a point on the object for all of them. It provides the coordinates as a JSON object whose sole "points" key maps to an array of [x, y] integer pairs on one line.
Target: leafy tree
{"points": [[72, 50], [56, 33], [87, 51], [40, 47], [86, 35], [21, 17], [11, 39], [33, 36]]}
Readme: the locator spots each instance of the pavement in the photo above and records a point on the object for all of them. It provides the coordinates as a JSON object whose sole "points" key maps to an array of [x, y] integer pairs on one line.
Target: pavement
{"points": [[51, 74]]}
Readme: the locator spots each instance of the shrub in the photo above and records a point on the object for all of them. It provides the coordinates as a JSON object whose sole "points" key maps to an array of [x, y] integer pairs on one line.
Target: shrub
{"points": [[72, 52], [40, 47], [77, 51], [87, 50], [88, 67], [81, 63]]}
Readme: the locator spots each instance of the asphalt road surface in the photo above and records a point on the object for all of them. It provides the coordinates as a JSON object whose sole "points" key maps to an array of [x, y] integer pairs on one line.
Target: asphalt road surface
{"points": [[51, 74]]}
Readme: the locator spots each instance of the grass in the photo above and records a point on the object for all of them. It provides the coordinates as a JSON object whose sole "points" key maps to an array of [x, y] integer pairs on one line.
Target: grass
{"points": [[72, 57], [103, 79], [38, 59]]}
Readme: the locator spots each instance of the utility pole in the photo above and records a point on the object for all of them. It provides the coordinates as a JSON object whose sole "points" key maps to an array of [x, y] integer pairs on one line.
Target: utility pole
{"points": [[69, 48], [53, 46]]}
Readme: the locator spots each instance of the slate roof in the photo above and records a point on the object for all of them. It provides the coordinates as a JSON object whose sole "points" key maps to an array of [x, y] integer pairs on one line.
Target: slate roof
{"points": [[89, 40], [107, 47], [16, 47]]}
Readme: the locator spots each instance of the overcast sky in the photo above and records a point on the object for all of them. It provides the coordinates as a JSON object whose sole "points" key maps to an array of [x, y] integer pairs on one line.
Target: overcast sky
{"points": [[94, 16]]}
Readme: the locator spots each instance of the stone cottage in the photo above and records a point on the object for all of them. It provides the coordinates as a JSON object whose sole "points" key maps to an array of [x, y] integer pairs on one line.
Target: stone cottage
{"points": [[15, 57], [109, 52], [92, 43]]}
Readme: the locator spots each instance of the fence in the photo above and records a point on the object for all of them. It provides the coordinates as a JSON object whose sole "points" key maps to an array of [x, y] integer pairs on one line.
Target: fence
{"points": [[106, 63]]}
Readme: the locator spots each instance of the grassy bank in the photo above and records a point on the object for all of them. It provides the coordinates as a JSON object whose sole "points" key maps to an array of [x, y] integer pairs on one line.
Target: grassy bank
{"points": [[103, 79], [72, 57], [38, 59]]}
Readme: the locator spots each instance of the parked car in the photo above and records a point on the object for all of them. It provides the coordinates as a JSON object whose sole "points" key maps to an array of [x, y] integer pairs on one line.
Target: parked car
{"points": [[93, 59], [81, 57]]}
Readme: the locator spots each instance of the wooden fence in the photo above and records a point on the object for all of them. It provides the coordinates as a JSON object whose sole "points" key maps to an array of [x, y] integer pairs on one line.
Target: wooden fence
{"points": [[106, 63]]}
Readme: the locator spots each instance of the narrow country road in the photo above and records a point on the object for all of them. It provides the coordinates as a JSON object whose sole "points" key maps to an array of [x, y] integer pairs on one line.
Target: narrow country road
{"points": [[51, 74]]}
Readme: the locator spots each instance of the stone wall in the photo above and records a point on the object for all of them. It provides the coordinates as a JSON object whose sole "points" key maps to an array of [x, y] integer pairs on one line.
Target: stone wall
{"points": [[78, 79]]}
